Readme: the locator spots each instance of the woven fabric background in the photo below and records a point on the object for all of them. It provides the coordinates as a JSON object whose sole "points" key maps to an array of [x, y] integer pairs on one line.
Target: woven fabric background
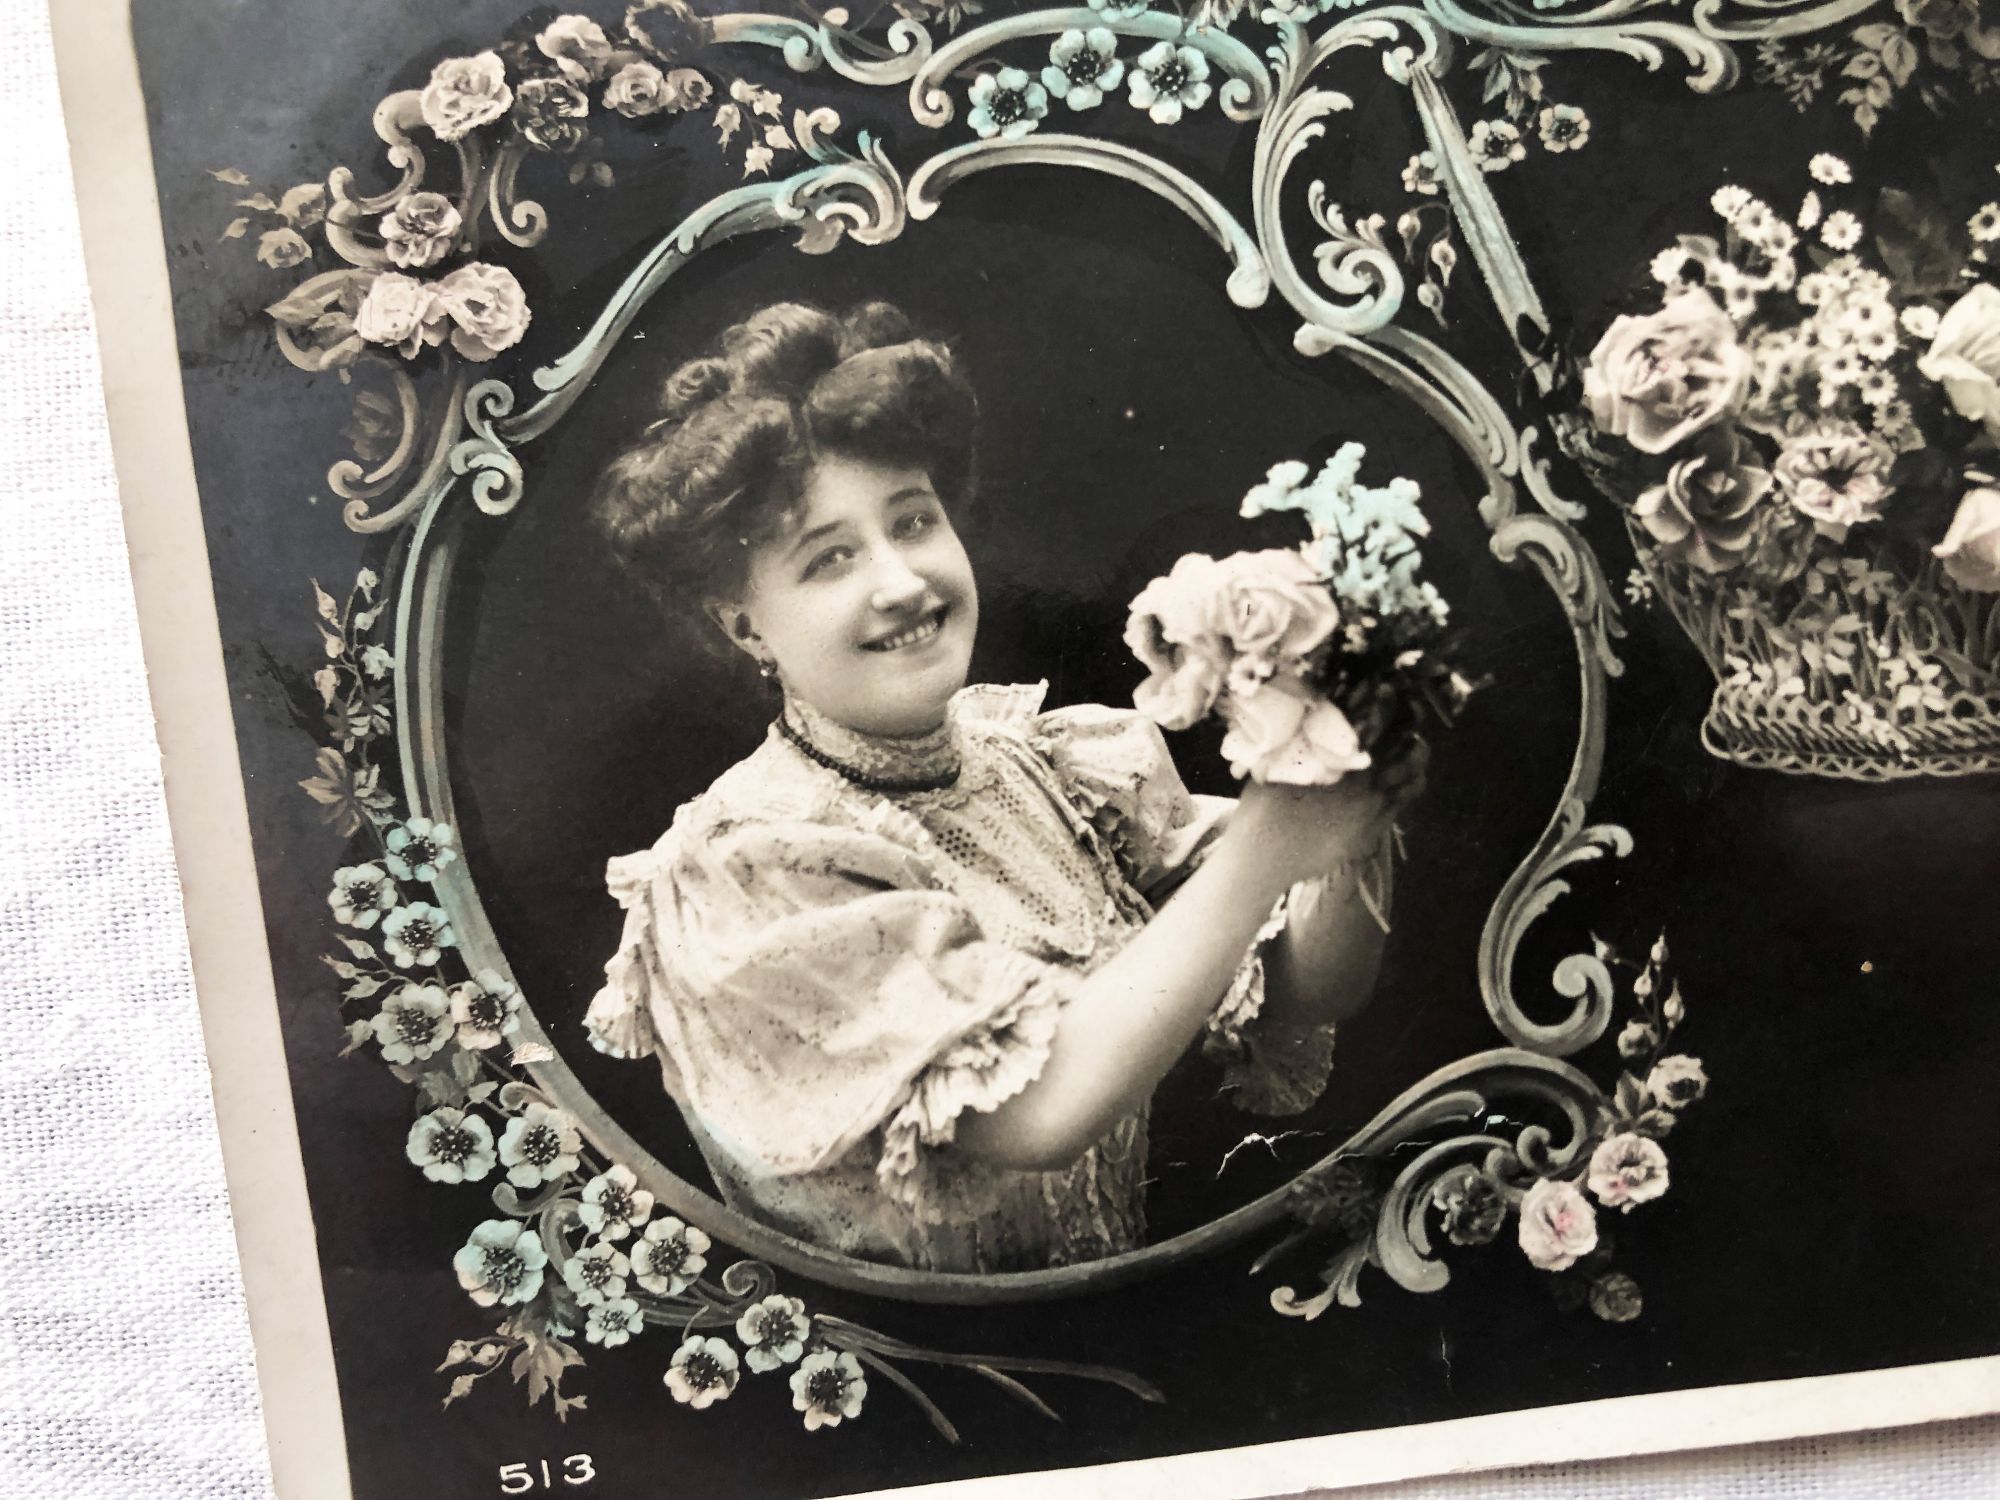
{"points": [[125, 1362]]}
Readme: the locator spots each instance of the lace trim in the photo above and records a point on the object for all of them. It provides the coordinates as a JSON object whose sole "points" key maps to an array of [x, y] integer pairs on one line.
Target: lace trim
{"points": [[923, 756], [980, 1072]]}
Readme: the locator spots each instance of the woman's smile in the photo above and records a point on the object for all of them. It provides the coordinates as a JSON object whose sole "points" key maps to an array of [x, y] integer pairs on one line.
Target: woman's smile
{"points": [[927, 628]]}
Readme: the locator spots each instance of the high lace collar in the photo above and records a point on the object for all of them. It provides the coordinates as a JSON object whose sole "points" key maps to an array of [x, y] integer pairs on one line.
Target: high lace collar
{"points": [[921, 762]]}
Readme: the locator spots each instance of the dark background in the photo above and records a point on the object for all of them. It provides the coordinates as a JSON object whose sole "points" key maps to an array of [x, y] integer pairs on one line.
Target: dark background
{"points": [[1831, 1207]]}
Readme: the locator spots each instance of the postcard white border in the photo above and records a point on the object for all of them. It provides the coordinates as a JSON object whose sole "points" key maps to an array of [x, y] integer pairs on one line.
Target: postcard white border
{"points": [[125, 252]]}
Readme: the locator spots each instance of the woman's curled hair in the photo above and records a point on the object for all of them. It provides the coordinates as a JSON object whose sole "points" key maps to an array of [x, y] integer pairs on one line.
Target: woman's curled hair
{"points": [[726, 461]]}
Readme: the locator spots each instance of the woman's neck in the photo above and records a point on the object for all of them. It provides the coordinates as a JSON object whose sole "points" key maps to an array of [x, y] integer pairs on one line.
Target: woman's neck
{"points": [[909, 762]]}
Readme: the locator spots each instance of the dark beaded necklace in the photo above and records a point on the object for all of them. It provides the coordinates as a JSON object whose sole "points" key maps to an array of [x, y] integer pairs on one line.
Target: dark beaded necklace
{"points": [[812, 752]]}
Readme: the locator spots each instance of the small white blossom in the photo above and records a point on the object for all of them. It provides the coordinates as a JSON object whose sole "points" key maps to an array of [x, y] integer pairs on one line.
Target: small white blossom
{"points": [[1829, 170]]}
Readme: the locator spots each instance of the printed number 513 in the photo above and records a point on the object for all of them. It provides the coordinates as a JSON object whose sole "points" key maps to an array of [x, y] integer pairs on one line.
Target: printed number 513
{"points": [[519, 1479]]}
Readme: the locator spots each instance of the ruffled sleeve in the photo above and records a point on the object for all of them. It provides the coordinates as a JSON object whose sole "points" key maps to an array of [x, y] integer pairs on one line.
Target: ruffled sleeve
{"points": [[806, 985], [1118, 769]]}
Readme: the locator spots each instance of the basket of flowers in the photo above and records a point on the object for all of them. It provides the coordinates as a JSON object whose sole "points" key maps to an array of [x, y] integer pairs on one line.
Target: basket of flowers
{"points": [[1802, 435]]}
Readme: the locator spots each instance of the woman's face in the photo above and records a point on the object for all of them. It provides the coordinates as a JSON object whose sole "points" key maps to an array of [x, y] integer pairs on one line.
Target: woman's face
{"points": [[866, 602]]}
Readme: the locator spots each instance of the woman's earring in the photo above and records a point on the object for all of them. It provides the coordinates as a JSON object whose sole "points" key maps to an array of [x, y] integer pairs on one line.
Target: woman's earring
{"points": [[768, 670]]}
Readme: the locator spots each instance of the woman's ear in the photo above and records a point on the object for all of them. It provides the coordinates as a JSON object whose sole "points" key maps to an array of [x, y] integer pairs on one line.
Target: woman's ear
{"points": [[735, 623]]}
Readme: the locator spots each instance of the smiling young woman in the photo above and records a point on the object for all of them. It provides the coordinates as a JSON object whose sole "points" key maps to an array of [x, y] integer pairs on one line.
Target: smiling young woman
{"points": [[913, 968]]}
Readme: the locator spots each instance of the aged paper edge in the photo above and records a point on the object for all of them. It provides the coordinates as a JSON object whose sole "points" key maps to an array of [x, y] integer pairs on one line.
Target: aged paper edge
{"points": [[125, 252]]}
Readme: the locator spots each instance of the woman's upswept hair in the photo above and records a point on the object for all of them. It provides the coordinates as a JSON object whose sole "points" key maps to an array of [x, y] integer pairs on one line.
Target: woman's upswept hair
{"points": [[725, 462]]}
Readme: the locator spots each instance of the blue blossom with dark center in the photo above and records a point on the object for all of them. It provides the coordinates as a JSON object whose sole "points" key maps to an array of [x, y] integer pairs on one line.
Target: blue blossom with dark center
{"points": [[1167, 80], [596, 1273], [502, 1263], [417, 934], [1007, 104], [413, 1024], [419, 848], [828, 1387], [361, 894], [773, 1331], [1083, 67], [452, 1146]]}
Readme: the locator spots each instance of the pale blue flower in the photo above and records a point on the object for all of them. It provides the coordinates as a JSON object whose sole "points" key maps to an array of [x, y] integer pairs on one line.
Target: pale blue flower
{"points": [[539, 1145], [773, 1331], [612, 1323], [614, 1204], [413, 1024], [361, 894], [452, 1146], [417, 934], [668, 1257], [702, 1372], [502, 1262], [1007, 104], [419, 848], [486, 1008], [1167, 80], [596, 1273], [828, 1387], [1120, 10], [1083, 66]]}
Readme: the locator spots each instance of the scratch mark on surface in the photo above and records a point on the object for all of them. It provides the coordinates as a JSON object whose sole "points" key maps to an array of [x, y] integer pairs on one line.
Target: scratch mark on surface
{"points": [[1269, 1142], [1444, 1353]]}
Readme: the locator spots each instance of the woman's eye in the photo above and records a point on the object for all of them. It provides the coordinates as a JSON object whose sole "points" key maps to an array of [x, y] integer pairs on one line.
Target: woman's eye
{"points": [[833, 557], [916, 523]]}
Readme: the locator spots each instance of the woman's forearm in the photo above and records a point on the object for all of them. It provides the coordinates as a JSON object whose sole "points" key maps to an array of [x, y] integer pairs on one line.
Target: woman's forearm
{"points": [[1324, 966], [1129, 1020]]}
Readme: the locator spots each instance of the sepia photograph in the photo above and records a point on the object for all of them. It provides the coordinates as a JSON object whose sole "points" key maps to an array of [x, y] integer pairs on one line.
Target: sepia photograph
{"points": [[1224, 747]]}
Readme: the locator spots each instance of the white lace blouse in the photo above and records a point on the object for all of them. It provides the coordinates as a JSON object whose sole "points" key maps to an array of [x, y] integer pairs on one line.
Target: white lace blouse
{"points": [[831, 976]]}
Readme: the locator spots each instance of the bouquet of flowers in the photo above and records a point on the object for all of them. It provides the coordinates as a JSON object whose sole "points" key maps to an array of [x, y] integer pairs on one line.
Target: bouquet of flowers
{"points": [[1322, 659], [1803, 434]]}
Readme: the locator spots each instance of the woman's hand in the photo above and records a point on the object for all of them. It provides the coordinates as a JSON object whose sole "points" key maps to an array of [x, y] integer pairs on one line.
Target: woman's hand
{"points": [[1301, 833]]}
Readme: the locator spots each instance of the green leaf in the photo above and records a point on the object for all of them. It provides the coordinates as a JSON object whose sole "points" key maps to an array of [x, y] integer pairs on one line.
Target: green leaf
{"points": [[299, 310], [361, 949], [344, 970], [460, 1387], [362, 988], [236, 230], [1917, 242], [262, 202], [229, 175], [358, 1033]]}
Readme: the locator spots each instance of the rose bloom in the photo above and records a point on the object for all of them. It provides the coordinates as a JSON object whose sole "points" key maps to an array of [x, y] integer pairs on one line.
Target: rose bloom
{"points": [[1677, 1081], [1970, 550], [636, 90], [550, 114], [1944, 19], [577, 46], [1705, 512], [1835, 473], [401, 312], [1558, 1225], [1658, 380], [1174, 632], [1964, 357], [1286, 732], [487, 307], [465, 93], [1274, 609], [1627, 1170], [421, 230]]}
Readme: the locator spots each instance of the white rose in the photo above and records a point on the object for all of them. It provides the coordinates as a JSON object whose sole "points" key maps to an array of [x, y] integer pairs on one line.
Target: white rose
{"points": [[1964, 358], [400, 311], [1970, 550], [488, 309], [465, 93]]}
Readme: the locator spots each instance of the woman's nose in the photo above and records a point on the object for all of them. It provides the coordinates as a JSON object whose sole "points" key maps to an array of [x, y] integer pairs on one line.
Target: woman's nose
{"points": [[896, 583]]}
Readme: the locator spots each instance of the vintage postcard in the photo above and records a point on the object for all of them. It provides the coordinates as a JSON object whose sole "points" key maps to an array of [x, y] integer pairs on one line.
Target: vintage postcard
{"points": [[1218, 747]]}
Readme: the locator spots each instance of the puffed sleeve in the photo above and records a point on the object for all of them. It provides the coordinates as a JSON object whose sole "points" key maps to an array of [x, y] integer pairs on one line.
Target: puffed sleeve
{"points": [[1116, 766], [1118, 769], [807, 985]]}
